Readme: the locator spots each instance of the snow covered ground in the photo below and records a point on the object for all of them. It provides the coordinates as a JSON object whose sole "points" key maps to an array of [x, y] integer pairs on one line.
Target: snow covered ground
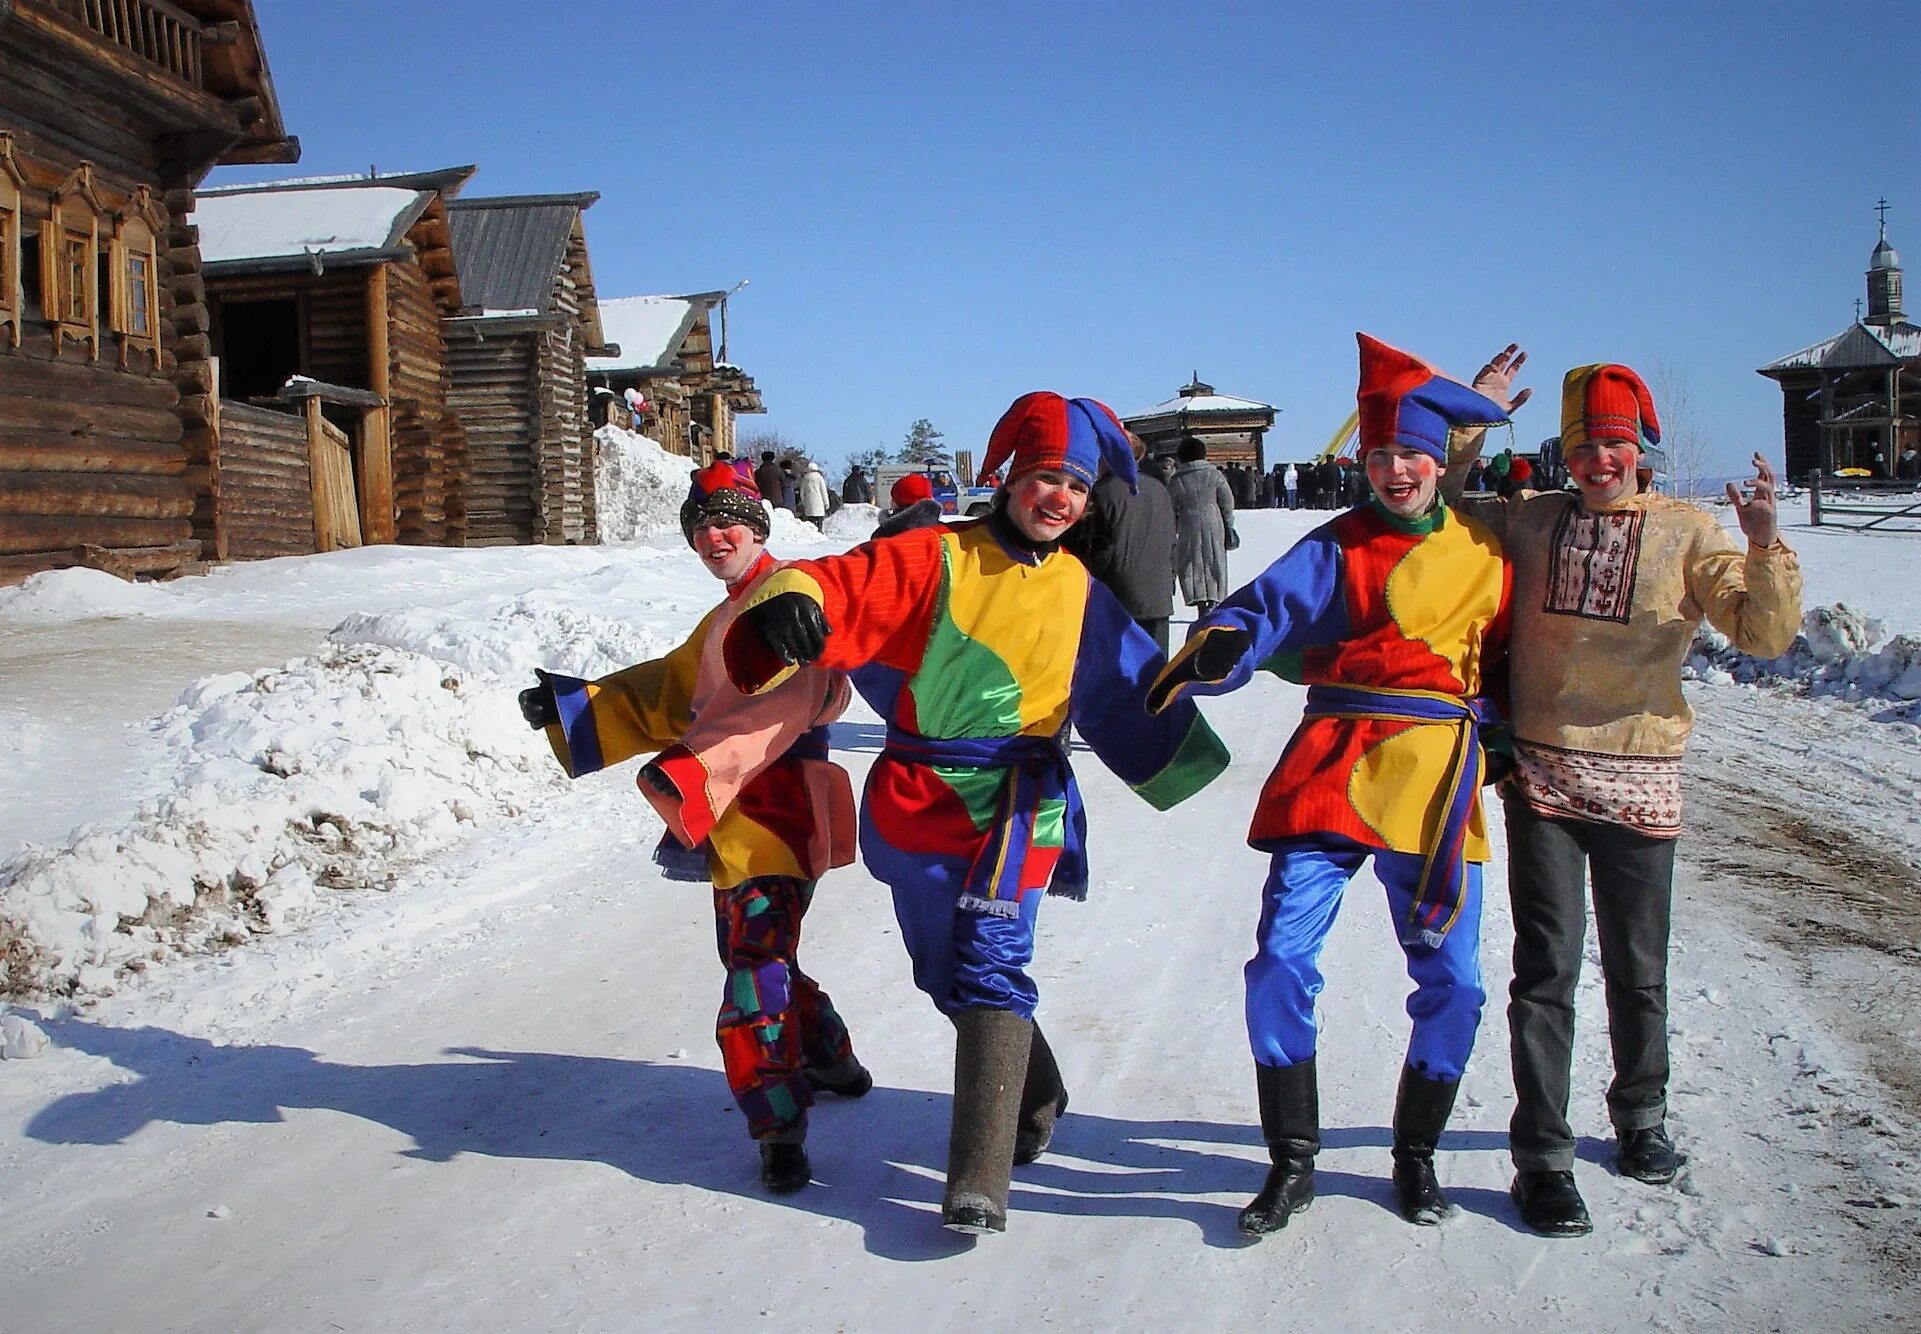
{"points": [[410, 1034]]}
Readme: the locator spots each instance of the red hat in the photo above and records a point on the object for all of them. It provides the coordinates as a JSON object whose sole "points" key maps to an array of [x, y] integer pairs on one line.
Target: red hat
{"points": [[1606, 402], [911, 488], [1520, 470], [720, 492], [1403, 401], [1075, 436]]}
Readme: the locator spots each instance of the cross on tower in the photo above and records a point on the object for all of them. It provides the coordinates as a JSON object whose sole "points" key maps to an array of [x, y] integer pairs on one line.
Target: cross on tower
{"points": [[1857, 310], [1881, 207]]}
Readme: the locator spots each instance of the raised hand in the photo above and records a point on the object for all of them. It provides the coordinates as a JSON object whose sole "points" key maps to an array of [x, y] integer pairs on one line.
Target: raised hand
{"points": [[1754, 505], [1496, 379], [1214, 658], [791, 626]]}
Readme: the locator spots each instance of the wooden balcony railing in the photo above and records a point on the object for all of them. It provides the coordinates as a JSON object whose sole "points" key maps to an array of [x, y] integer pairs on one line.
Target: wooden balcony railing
{"points": [[151, 29]]}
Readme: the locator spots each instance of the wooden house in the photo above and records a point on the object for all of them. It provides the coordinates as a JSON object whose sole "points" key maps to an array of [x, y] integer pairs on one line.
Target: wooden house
{"points": [[691, 392], [517, 357], [1233, 429], [343, 281], [1843, 400], [111, 112]]}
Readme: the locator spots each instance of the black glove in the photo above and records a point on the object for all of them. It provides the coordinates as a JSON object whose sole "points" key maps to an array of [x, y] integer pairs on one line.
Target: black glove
{"points": [[537, 704], [791, 626], [1220, 649], [1233, 540], [659, 782]]}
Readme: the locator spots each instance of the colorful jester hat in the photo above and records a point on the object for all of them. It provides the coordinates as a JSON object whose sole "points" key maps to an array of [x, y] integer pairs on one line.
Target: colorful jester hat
{"points": [[718, 492], [1070, 435], [1606, 402], [1405, 401]]}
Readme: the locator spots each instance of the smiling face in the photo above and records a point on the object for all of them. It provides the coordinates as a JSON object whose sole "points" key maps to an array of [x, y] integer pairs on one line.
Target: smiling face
{"points": [[728, 550], [1604, 470], [1044, 504], [1404, 479]]}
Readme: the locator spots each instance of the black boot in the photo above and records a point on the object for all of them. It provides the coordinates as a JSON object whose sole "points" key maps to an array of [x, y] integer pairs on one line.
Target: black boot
{"points": [[1421, 1110], [990, 1066], [784, 1168], [1043, 1098], [1648, 1155], [1551, 1204], [846, 1078], [1291, 1125]]}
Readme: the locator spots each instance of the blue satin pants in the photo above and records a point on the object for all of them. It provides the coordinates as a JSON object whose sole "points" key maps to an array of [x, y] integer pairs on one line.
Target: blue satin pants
{"points": [[1302, 895]]}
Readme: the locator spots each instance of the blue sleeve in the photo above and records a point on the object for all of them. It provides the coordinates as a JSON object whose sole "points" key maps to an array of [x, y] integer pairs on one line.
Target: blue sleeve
{"points": [[1292, 605], [1165, 757]]}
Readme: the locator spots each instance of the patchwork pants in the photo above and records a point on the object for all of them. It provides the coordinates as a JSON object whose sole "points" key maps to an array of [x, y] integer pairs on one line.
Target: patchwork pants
{"points": [[774, 1020], [1303, 894], [1549, 863]]}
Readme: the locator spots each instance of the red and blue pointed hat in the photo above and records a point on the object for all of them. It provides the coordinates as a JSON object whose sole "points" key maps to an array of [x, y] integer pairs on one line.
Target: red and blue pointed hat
{"points": [[1406, 402], [1075, 436]]}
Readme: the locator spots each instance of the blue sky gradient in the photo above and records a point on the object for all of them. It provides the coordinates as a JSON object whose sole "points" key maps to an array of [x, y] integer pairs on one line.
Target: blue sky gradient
{"points": [[942, 206]]}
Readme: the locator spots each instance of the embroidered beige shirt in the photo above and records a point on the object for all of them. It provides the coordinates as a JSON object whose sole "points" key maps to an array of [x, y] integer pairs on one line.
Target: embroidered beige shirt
{"points": [[1605, 607]]}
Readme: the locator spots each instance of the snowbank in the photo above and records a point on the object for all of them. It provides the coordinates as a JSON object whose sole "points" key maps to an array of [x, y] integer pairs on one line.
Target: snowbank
{"points": [[638, 486], [1840, 652], [852, 522], [64, 595]]}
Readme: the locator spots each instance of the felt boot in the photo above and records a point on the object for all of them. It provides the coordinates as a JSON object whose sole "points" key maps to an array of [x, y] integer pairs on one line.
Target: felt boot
{"points": [[1421, 1110], [1291, 1125], [990, 1066], [1043, 1098]]}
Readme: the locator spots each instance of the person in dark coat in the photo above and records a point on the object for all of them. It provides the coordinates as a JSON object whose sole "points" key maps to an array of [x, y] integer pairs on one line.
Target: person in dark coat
{"points": [[1127, 542], [856, 490], [768, 478], [1203, 526]]}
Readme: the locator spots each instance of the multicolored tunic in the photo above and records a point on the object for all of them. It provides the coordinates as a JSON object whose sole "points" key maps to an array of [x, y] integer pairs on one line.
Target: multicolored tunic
{"points": [[1393, 625], [978, 655], [784, 809]]}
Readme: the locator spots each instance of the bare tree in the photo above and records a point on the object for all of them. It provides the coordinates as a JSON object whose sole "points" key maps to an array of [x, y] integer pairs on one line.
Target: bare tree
{"points": [[756, 443], [1684, 437]]}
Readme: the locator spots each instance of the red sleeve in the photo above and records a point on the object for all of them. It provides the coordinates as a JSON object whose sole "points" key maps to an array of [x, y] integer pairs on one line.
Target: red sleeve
{"points": [[878, 600]]}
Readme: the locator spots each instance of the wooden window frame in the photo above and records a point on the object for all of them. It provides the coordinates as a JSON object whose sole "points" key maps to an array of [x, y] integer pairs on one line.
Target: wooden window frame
{"points": [[73, 219], [135, 238], [12, 216]]}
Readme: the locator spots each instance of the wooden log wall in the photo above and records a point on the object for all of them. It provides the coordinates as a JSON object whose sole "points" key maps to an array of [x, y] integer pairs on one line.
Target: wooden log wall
{"points": [[429, 442], [566, 454], [266, 491], [495, 396]]}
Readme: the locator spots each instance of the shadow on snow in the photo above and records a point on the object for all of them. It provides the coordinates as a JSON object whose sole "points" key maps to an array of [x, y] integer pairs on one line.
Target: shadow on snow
{"points": [[878, 1162]]}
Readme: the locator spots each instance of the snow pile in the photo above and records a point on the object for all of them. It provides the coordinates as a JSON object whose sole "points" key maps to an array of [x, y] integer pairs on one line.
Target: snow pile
{"points": [[1840, 652], [789, 529], [638, 486], [20, 1040], [512, 641], [852, 522], [333, 772], [59, 595]]}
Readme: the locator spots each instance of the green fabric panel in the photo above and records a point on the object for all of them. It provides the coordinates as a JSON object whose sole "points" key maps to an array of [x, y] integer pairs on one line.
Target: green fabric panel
{"points": [[1198, 763], [962, 688], [980, 790], [1288, 664]]}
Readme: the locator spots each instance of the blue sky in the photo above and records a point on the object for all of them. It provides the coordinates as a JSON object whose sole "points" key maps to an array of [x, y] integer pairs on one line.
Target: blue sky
{"points": [[942, 206]]}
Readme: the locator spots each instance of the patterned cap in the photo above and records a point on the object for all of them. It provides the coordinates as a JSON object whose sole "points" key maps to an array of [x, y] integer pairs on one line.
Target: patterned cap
{"points": [[720, 492], [1405, 401], [1043, 431], [1606, 402]]}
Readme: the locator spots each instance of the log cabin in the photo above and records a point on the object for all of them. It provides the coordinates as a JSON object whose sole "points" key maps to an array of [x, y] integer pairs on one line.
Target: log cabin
{"points": [[1233, 429], [342, 281], [517, 357], [111, 113], [691, 392]]}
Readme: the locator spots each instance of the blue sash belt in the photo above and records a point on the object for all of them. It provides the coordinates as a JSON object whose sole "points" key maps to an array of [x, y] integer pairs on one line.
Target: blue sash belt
{"points": [[1437, 897], [1037, 772]]}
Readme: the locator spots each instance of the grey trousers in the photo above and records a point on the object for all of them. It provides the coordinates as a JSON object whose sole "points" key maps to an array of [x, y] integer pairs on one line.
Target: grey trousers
{"points": [[1548, 864]]}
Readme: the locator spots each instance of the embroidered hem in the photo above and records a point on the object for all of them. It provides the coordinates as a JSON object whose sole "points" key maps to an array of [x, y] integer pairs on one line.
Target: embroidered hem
{"points": [[1638, 792]]}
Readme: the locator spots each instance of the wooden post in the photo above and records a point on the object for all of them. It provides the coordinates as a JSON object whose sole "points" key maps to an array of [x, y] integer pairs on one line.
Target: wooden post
{"points": [[1814, 496], [375, 464], [316, 478]]}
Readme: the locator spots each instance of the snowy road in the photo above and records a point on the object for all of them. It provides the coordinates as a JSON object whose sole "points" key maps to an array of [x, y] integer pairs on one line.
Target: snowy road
{"points": [[490, 1100]]}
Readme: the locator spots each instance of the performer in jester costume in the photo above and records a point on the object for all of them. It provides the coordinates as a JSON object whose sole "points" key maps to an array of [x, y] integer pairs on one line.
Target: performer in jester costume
{"points": [[1393, 615], [979, 643], [775, 815]]}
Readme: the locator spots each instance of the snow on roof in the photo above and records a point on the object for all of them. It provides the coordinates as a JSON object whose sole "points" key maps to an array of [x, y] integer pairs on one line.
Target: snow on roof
{"points": [[648, 329], [267, 224], [1202, 403], [1860, 344]]}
